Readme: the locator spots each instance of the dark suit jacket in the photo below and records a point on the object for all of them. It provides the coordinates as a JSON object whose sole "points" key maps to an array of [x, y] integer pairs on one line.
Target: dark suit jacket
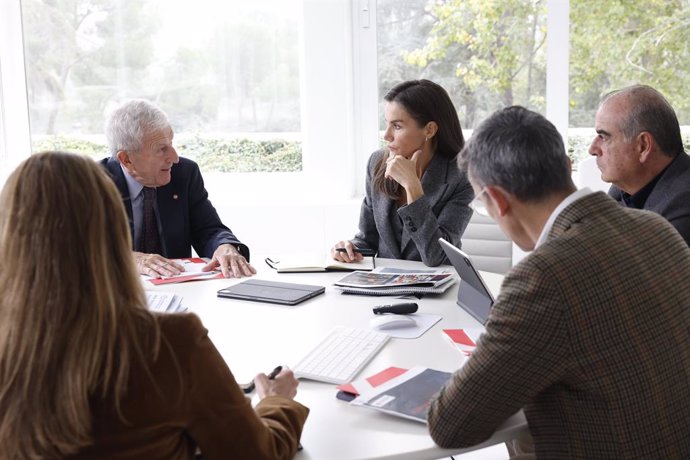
{"points": [[443, 211], [590, 334], [187, 217], [670, 196], [192, 400]]}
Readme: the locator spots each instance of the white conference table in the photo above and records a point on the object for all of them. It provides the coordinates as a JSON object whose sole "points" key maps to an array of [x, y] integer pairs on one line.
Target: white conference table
{"points": [[256, 337]]}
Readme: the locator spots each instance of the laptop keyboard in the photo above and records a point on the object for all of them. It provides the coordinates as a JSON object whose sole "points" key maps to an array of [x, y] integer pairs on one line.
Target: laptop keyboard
{"points": [[341, 355]]}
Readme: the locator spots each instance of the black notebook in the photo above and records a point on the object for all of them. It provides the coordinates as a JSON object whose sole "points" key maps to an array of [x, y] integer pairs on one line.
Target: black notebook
{"points": [[271, 291]]}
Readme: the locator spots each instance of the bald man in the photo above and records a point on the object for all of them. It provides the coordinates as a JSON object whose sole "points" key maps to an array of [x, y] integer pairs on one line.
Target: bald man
{"points": [[640, 151]]}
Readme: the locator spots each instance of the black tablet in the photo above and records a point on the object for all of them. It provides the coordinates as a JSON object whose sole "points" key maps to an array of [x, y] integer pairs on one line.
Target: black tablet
{"points": [[271, 291]]}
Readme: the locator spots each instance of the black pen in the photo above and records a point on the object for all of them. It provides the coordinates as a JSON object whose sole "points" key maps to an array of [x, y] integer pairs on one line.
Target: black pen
{"points": [[364, 252], [272, 375]]}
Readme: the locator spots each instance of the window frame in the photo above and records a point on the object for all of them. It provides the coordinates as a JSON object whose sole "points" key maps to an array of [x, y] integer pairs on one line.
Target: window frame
{"points": [[15, 136]]}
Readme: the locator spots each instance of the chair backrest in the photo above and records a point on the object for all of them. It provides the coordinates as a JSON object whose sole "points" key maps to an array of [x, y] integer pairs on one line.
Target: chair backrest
{"points": [[588, 175], [490, 249]]}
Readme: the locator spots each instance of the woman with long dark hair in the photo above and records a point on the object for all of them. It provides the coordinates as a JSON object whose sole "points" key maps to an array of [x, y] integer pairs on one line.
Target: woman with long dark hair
{"points": [[415, 192]]}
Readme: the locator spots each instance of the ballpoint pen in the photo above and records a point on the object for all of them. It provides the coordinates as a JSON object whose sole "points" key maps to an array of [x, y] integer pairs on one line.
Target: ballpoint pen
{"points": [[272, 375], [363, 251]]}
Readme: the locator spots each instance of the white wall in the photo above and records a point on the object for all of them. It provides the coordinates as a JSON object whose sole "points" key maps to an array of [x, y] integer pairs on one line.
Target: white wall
{"points": [[276, 229]]}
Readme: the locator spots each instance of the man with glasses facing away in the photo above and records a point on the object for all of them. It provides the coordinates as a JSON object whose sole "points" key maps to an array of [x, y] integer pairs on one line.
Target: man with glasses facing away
{"points": [[165, 198], [639, 149], [589, 334]]}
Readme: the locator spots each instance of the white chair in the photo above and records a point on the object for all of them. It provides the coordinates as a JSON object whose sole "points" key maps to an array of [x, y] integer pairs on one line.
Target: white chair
{"points": [[588, 175], [484, 241]]}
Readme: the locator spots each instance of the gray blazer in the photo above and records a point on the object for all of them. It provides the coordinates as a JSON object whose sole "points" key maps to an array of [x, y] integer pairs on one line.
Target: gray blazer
{"points": [[670, 196], [443, 211]]}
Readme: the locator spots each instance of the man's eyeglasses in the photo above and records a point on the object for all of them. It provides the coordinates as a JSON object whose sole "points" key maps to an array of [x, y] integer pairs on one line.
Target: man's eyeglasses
{"points": [[478, 205]]}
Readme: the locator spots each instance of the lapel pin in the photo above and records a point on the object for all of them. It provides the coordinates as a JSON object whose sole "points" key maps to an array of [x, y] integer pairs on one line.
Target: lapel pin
{"points": [[175, 196]]}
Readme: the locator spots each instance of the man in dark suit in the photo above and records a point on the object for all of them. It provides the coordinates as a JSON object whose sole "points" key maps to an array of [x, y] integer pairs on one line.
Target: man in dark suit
{"points": [[639, 150], [589, 334], [166, 201]]}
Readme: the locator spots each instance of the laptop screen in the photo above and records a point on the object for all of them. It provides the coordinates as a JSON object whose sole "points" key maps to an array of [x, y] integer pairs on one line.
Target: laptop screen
{"points": [[473, 295]]}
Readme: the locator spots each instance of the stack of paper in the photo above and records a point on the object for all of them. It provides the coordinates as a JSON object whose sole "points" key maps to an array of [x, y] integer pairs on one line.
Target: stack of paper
{"points": [[165, 302], [396, 281]]}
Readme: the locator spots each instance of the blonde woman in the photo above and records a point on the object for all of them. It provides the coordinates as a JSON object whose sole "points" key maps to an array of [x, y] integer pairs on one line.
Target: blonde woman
{"points": [[85, 370]]}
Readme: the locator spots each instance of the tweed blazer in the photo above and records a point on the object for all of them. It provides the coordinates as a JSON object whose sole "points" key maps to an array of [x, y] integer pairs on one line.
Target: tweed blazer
{"points": [[443, 211], [590, 336], [186, 216], [188, 398], [670, 196]]}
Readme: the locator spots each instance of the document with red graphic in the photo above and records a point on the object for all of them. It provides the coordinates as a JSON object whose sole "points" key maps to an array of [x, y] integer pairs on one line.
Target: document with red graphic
{"points": [[408, 395], [464, 340], [348, 391], [192, 272]]}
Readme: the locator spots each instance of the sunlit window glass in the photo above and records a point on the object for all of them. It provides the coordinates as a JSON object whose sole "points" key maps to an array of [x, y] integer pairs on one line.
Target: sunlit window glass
{"points": [[616, 44], [226, 72], [487, 55]]}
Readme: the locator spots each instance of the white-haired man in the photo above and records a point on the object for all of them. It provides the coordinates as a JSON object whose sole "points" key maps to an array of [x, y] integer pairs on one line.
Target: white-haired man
{"points": [[164, 194]]}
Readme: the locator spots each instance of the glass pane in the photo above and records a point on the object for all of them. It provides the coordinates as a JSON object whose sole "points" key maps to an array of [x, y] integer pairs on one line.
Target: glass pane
{"points": [[487, 55], [226, 72], [616, 44]]}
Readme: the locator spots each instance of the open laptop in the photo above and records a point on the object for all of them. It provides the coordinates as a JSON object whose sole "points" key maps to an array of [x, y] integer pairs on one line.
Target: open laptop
{"points": [[473, 294], [271, 291]]}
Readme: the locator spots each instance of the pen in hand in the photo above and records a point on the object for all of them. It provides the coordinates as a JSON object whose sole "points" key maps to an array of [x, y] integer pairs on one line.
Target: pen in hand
{"points": [[272, 375], [363, 251]]}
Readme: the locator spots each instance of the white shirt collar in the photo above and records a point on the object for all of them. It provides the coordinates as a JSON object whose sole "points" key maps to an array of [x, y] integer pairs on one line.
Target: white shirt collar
{"points": [[133, 185], [576, 195]]}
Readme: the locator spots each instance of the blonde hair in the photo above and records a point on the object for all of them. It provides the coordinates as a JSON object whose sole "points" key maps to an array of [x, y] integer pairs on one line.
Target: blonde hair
{"points": [[72, 310]]}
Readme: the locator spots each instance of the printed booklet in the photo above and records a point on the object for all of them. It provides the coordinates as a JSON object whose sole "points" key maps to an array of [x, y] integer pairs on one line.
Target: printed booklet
{"points": [[384, 277], [395, 281], [408, 395]]}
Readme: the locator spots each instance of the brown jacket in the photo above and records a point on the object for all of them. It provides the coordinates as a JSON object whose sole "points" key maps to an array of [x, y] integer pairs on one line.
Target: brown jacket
{"points": [[192, 400], [590, 334]]}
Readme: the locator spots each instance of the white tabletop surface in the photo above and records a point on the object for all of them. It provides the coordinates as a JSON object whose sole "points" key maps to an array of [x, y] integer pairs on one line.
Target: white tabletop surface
{"points": [[256, 337]]}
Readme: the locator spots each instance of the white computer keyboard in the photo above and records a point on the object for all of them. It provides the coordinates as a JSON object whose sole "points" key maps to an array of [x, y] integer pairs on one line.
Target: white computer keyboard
{"points": [[341, 355]]}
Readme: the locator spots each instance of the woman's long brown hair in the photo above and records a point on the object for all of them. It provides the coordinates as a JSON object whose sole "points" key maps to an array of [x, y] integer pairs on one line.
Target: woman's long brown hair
{"points": [[72, 310]]}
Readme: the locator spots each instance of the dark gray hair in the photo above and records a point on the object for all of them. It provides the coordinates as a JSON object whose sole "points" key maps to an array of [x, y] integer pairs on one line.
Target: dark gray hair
{"points": [[127, 124], [648, 110], [519, 151]]}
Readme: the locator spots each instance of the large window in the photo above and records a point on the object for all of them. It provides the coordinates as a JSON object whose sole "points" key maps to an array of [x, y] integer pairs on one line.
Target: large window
{"points": [[487, 55], [227, 72], [296, 85], [615, 44], [492, 54]]}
